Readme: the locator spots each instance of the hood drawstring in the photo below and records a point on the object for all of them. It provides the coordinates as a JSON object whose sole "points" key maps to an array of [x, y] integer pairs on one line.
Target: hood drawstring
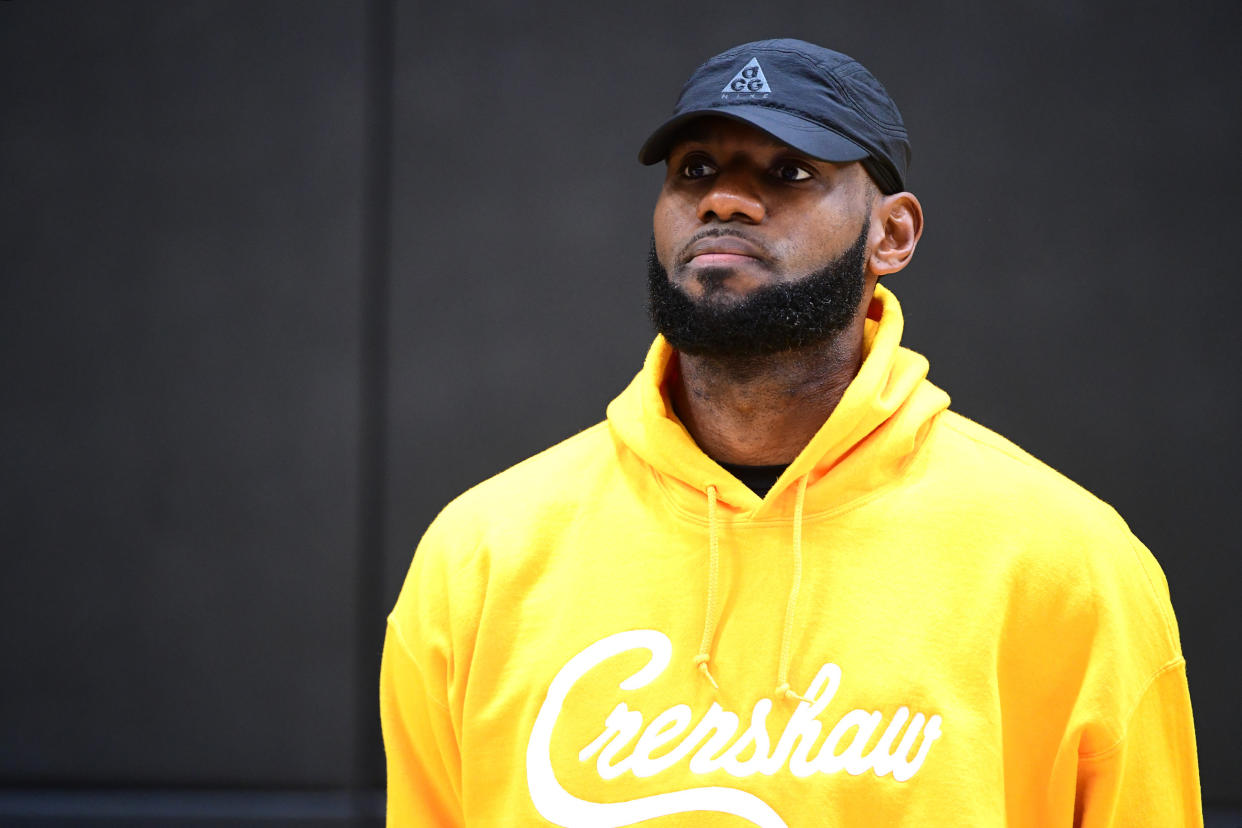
{"points": [[713, 572], [783, 690]]}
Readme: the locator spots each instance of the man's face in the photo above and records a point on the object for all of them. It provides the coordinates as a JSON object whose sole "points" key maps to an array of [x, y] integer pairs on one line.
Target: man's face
{"points": [[757, 248]]}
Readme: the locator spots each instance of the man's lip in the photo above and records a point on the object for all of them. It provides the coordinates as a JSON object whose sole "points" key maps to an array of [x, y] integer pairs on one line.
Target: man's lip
{"points": [[722, 259], [726, 247]]}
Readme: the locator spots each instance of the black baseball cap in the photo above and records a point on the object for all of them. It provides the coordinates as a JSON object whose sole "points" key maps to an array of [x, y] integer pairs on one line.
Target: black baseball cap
{"points": [[817, 101]]}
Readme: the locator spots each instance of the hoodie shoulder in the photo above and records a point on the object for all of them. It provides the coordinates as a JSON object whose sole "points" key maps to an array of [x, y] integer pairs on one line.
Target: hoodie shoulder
{"points": [[995, 457], [553, 478], [970, 470], [1017, 501]]}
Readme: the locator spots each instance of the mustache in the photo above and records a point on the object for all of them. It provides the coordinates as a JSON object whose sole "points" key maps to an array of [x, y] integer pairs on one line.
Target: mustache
{"points": [[684, 255]]}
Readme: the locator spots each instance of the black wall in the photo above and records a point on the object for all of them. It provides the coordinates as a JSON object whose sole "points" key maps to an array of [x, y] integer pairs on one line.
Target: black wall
{"points": [[281, 278]]}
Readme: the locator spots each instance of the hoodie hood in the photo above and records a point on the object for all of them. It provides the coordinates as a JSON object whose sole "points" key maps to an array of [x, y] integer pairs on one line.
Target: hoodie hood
{"points": [[867, 442]]}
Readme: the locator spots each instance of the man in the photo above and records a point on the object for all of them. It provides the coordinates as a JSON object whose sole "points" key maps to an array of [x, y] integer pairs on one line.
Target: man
{"points": [[783, 585]]}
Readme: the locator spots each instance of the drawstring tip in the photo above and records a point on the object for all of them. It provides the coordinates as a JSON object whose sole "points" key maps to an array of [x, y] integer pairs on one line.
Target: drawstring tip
{"points": [[708, 674], [701, 661], [786, 692]]}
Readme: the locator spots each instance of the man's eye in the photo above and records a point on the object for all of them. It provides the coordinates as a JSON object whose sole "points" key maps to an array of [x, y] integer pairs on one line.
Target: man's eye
{"points": [[791, 172], [697, 169]]}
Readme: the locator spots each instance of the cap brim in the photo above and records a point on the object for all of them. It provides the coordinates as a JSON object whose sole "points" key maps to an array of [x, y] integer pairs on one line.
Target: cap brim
{"points": [[816, 140]]}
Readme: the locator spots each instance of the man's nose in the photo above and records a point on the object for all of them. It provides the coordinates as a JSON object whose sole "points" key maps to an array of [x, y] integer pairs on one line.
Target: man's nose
{"points": [[732, 198]]}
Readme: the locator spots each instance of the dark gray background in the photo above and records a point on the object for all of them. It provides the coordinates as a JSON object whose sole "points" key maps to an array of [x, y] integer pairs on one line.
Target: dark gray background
{"points": [[282, 278]]}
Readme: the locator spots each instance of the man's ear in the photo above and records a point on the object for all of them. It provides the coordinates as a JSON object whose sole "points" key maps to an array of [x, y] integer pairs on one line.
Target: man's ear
{"points": [[896, 225]]}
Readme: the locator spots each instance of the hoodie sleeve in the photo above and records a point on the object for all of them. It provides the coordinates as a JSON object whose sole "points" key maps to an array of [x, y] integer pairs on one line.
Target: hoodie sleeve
{"points": [[424, 760], [1151, 776]]}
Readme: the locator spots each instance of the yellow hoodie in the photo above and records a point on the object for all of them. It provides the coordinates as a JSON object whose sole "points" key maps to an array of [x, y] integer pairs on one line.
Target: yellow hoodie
{"points": [[919, 625]]}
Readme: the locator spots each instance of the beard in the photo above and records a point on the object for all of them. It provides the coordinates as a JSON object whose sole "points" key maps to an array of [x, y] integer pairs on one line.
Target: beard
{"points": [[771, 319]]}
